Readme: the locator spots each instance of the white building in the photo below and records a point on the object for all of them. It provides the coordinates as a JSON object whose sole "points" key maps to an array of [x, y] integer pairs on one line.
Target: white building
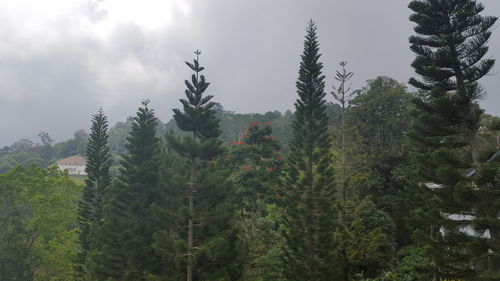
{"points": [[75, 165]]}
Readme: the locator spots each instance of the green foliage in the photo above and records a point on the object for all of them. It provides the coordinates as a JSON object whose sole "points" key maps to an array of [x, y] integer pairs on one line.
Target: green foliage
{"points": [[197, 115], [21, 145], [258, 164], [25, 152], [215, 239], [366, 240], [202, 233], [343, 95], [16, 255], [258, 167], [198, 118], [489, 135], [185, 205], [168, 242], [118, 136], [97, 183], [47, 198], [414, 264], [75, 146], [129, 224], [11, 160], [377, 123], [450, 45], [233, 124], [267, 264], [309, 216]]}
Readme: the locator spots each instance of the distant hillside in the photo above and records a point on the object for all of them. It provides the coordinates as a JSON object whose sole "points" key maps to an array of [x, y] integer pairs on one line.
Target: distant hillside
{"points": [[232, 125]]}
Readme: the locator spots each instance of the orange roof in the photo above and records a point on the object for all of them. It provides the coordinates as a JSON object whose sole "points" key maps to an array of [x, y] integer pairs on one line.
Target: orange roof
{"points": [[73, 160]]}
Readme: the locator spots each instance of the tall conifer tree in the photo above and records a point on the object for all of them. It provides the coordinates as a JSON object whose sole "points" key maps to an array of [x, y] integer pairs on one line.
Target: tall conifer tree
{"points": [[129, 221], [450, 45], [343, 95], [206, 231], [310, 218], [90, 207]]}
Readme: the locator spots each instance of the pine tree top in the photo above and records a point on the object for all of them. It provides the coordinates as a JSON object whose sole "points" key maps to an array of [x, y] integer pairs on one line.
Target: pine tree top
{"points": [[197, 115], [450, 45], [142, 142], [311, 122]]}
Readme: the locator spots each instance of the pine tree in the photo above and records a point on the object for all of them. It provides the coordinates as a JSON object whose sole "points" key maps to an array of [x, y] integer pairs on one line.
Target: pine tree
{"points": [[130, 223], [169, 241], [208, 243], [310, 218], [449, 48], [343, 95], [90, 207]]}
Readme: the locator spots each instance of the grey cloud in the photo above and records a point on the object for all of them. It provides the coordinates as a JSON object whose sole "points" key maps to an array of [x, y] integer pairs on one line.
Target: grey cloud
{"points": [[50, 92], [94, 12], [58, 89], [256, 46], [251, 51]]}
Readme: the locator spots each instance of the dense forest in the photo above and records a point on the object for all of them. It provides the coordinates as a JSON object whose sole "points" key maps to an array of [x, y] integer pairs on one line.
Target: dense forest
{"points": [[380, 183]]}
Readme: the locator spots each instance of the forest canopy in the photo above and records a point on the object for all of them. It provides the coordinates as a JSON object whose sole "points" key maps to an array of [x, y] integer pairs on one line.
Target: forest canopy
{"points": [[379, 182]]}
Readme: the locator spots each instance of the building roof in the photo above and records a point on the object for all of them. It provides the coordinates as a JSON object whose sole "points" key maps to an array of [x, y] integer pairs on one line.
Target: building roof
{"points": [[73, 160]]}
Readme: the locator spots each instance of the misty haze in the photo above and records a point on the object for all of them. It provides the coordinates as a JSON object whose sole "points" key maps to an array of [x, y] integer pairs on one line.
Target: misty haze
{"points": [[278, 140]]}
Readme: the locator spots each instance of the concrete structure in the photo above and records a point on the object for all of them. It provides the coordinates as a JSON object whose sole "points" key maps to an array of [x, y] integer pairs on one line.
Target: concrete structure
{"points": [[75, 165]]}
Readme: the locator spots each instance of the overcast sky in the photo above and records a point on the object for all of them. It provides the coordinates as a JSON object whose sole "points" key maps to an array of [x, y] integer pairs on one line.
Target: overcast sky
{"points": [[60, 60]]}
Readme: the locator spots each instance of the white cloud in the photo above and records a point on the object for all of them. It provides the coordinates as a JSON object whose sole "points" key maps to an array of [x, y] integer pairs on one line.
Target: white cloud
{"points": [[61, 57], [147, 14]]}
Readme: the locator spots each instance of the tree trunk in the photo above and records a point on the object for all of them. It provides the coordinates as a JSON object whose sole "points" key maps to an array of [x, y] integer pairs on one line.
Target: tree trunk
{"points": [[190, 254], [343, 174]]}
